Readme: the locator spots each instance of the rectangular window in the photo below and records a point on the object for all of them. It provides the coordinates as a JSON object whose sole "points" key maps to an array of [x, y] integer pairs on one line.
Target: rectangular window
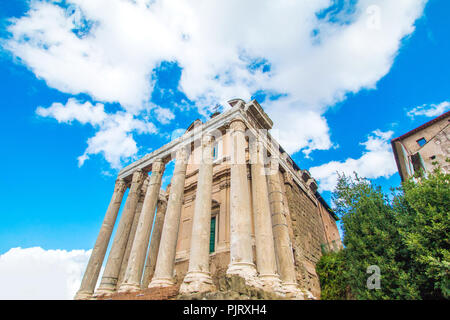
{"points": [[215, 151], [212, 239], [421, 142]]}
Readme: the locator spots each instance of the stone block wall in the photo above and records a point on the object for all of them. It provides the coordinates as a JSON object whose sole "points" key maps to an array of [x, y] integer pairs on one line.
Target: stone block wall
{"points": [[309, 234]]}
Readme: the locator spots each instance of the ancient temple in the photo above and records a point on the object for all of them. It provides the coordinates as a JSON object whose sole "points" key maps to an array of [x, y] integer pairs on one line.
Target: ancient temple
{"points": [[237, 206]]}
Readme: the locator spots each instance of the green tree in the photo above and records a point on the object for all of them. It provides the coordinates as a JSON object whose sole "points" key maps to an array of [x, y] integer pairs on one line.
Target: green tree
{"points": [[371, 238], [424, 223], [332, 278], [405, 236]]}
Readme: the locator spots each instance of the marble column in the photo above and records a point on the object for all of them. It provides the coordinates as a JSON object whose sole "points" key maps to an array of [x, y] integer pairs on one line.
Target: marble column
{"points": [[265, 249], [133, 274], [155, 241], [283, 249], [163, 276], [198, 277], [241, 251], [101, 244], [112, 269], [137, 214]]}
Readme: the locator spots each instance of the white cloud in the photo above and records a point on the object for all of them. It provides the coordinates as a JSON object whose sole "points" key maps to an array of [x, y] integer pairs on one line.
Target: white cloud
{"points": [[114, 138], [73, 110], [164, 115], [377, 161], [429, 110], [35, 273], [109, 48]]}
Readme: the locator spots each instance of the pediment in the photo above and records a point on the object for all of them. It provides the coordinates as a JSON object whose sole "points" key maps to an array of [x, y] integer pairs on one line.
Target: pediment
{"points": [[194, 124]]}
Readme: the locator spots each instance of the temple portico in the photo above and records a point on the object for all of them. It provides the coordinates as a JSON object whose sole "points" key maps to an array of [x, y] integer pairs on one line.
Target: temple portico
{"points": [[225, 213]]}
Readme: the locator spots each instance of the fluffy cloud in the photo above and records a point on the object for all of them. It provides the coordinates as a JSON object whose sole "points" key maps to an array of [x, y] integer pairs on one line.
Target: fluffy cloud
{"points": [[377, 161], [164, 115], [429, 110], [73, 110], [310, 53], [114, 138], [35, 273]]}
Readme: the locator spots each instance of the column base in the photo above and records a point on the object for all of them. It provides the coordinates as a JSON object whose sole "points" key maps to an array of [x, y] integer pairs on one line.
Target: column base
{"points": [[271, 282], [129, 287], [292, 291], [247, 271], [197, 282], [161, 283], [104, 291], [83, 295]]}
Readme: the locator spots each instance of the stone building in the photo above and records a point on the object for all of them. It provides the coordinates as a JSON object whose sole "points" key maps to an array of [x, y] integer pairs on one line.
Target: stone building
{"points": [[237, 206], [424, 148]]}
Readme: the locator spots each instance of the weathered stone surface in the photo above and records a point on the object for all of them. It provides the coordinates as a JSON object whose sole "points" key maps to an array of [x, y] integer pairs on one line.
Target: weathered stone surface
{"points": [[198, 278], [133, 274], [112, 269], [166, 254], [234, 287], [150, 264], [241, 251], [265, 249], [283, 246], [309, 234], [137, 214], [98, 253]]}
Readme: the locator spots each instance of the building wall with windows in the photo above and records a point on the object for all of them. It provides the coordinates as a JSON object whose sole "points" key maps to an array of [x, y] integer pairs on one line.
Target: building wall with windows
{"points": [[424, 148]]}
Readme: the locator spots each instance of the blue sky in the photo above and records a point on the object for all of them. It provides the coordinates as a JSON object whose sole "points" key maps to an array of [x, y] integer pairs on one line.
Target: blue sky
{"points": [[338, 78]]}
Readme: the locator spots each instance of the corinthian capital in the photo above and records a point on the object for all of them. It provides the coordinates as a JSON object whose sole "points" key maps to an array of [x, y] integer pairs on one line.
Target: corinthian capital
{"points": [[120, 186], [158, 165], [138, 177], [182, 155], [237, 125]]}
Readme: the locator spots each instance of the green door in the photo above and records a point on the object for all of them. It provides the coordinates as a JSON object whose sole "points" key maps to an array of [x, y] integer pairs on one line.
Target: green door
{"points": [[212, 239]]}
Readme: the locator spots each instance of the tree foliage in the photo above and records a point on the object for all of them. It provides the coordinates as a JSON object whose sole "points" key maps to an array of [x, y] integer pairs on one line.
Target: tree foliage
{"points": [[404, 234], [332, 280]]}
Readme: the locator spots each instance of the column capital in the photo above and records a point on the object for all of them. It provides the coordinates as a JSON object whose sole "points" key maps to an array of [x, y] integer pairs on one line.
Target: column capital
{"points": [[120, 186], [207, 138], [182, 155], [158, 165], [138, 176], [238, 124]]}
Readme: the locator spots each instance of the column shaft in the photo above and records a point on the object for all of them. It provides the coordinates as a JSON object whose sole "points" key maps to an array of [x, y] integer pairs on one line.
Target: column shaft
{"points": [[198, 278], [155, 241], [133, 274], [101, 244], [166, 253], [112, 269], [137, 214], [241, 252], [283, 246], [265, 249]]}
